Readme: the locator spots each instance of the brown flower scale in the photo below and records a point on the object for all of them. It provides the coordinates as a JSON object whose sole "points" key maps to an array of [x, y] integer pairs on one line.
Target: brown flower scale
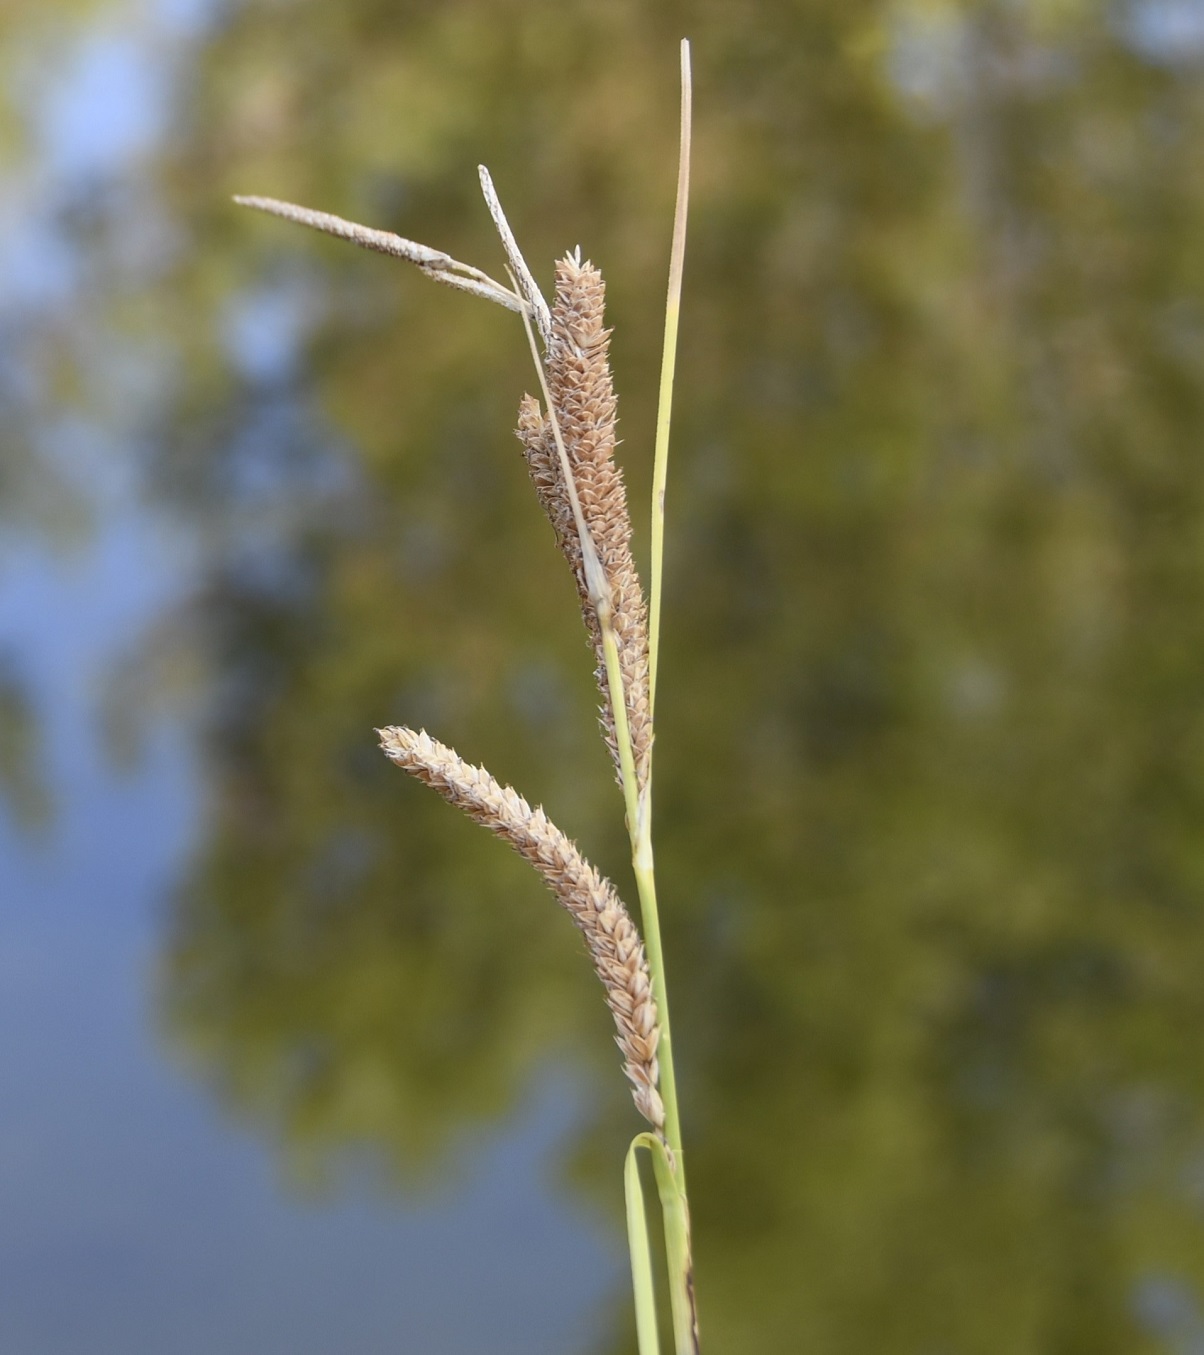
{"points": [[592, 901], [579, 379]]}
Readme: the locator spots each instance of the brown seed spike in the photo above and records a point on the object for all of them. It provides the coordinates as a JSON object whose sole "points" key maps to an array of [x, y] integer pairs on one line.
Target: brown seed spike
{"points": [[579, 378], [610, 934], [543, 465]]}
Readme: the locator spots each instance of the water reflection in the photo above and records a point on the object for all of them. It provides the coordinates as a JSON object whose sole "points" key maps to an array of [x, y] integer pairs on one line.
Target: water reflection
{"points": [[930, 757]]}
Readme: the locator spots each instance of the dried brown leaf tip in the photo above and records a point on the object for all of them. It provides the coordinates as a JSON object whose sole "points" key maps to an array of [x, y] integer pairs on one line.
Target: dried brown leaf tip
{"points": [[582, 389], [610, 934]]}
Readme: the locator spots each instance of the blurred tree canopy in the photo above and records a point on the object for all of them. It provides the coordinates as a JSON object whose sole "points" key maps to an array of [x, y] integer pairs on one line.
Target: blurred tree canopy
{"points": [[931, 755]]}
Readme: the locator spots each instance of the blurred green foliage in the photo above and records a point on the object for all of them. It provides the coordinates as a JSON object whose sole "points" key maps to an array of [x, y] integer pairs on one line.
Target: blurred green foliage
{"points": [[931, 746]]}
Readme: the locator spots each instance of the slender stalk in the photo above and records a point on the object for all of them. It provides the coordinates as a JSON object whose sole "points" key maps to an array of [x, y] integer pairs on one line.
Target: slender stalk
{"points": [[664, 412], [645, 879], [669, 1165], [642, 834], [675, 1211]]}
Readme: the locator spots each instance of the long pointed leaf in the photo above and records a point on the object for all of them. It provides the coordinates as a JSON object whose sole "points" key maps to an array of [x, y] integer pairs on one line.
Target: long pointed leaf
{"points": [[641, 1256]]}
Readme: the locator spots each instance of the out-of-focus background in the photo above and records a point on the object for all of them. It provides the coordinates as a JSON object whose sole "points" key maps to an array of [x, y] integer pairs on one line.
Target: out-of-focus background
{"points": [[292, 1060]]}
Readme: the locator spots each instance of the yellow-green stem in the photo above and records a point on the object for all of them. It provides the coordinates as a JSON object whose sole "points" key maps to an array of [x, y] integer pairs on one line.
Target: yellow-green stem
{"points": [[645, 879], [639, 828], [670, 1166], [664, 410], [675, 1211]]}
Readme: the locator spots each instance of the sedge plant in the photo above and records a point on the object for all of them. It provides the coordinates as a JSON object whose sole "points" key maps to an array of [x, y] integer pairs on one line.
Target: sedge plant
{"points": [[568, 442]]}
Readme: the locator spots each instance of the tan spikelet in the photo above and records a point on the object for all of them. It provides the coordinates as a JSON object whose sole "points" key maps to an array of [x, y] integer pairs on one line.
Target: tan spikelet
{"points": [[579, 378], [612, 937]]}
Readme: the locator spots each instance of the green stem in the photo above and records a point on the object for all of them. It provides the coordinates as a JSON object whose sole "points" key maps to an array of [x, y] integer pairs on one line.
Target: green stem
{"points": [[667, 1155], [675, 1212], [664, 409], [639, 828], [645, 879], [668, 1159]]}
